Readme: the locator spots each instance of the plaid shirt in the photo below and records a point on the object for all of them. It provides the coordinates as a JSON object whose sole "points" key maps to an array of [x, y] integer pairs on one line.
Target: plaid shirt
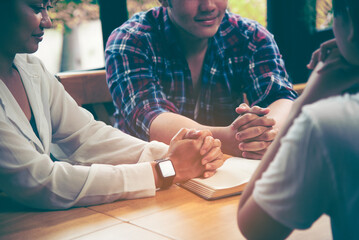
{"points": [[147, 72]]}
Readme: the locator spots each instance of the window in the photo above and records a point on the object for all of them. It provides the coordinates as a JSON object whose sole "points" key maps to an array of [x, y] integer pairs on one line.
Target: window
{"points": [[253, 9], [75, 41], [295, 27], [134, 6], [324, 14]]}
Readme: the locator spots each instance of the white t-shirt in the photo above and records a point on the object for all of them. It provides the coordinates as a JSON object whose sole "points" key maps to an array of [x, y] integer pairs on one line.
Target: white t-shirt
{"points": [[316, 169]]}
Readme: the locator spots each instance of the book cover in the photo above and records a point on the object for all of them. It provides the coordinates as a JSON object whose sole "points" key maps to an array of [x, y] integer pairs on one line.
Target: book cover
{"points": [[230, 179]]}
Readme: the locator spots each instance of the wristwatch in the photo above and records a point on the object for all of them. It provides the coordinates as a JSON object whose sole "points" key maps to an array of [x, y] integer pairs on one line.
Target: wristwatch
{"points": [[166, 172]]}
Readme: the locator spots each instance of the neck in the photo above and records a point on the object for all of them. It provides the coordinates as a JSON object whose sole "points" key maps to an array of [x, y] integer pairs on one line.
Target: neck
{"points": [[6, 65], [195, 47], [191, 45]]}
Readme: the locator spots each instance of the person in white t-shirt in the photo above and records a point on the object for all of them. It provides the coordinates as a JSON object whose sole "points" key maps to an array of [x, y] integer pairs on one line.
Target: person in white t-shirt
{"points": [[312, 167]]}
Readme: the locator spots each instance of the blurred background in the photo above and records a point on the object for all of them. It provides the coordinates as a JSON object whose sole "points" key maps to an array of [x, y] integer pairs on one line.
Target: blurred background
{"points": [[76, 41]]}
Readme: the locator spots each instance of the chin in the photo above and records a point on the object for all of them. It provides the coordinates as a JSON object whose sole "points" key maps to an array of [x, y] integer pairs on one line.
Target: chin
{"points": [[350, 52], [354, 60], [31, 49], [31, 46], [206, 34]]}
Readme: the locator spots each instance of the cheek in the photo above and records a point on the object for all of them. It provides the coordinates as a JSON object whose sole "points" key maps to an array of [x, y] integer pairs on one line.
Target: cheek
{"points": [[340, 34], [28, 19], [222, 5], [347, 47], [31, 21], [184, 18], [189, 10]]}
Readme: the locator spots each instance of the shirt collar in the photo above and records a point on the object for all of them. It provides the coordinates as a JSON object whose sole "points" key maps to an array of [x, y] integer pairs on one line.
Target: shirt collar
{"points": [[227, 36], [169, 28]]}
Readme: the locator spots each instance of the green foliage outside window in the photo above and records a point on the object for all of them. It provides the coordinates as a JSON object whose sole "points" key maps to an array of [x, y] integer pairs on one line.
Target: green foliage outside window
{"points": [[67, 14], [134, 6], [324, 14], [253, 9], [319, 14]]}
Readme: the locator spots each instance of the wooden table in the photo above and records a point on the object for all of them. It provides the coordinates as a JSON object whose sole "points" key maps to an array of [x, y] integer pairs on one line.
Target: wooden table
{"points": [[173, 214]]}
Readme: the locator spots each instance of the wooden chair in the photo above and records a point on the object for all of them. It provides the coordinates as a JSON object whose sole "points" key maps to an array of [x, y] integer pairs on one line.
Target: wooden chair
{"points": [[299, 87], [89, 89]]}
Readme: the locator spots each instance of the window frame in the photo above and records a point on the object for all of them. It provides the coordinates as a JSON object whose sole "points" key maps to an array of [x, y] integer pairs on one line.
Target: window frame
{"points": [[113, 13], [296, 38]]}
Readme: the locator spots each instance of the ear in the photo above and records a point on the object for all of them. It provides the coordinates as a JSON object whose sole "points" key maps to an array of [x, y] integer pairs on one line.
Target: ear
{"points": [[164, 3], [354, 26]]}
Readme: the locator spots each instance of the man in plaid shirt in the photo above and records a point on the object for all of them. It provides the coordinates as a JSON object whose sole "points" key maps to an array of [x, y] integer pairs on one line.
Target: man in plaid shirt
{"points": [[189, 64]]}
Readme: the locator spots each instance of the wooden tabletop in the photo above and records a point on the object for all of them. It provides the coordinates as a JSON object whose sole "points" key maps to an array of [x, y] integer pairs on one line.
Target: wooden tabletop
{"points": [[173, 214]]}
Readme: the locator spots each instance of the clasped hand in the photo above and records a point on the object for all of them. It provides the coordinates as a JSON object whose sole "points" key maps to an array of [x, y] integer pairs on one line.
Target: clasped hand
{"points": [[254, 131], [194, 154], [331, 75]]}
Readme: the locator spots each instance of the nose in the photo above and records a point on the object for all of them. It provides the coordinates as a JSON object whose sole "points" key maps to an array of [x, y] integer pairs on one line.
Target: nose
{"points": [[207, 5], [45, 20]]}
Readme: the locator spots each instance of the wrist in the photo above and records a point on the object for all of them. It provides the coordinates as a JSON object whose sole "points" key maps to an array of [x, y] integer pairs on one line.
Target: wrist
{"points": [[158, 180], [220, 132], [164, 173]]}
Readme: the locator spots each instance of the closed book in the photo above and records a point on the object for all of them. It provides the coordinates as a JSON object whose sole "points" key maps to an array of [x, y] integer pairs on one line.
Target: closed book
{"points": [[230, 179]]}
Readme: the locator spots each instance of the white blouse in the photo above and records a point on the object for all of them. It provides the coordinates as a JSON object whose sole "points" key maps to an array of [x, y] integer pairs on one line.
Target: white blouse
{"points": [[98, 163]]}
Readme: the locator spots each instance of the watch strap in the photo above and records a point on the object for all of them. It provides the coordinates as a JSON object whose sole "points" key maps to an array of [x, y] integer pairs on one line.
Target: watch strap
{"points": [[166, 181]]}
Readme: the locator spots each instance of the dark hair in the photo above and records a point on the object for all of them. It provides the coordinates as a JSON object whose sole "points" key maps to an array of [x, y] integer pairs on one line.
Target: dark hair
{"points": [[340, 6], [7, 8], [8, 16]]}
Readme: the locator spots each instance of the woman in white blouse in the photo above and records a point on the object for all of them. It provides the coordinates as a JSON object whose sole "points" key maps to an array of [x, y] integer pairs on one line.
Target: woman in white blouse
{"points": [[98, 163]]}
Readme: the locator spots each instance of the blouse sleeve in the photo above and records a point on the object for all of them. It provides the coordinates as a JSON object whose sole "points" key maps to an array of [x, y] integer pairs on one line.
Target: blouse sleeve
{"points": [[100, 164]]}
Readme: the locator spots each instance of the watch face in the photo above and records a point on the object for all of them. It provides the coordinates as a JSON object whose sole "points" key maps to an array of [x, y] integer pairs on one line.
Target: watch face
{"points": [[167, 169]]}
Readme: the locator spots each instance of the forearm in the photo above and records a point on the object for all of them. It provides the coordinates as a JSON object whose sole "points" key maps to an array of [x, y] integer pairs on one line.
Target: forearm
{"points": [[36, 181], [271, 152], [166, 125], [279, 111]]}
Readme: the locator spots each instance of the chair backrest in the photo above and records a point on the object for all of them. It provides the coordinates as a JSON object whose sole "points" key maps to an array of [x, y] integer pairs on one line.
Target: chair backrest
{"points": [[89, 89], [299, 87]]}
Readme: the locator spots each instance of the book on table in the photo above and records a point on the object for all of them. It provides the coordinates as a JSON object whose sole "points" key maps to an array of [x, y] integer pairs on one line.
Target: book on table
{"points": [[230, 179]]}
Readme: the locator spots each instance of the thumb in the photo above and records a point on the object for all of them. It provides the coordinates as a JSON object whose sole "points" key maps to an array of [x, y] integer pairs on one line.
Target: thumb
{"points": [[242, 108], [180, 134], [192, 134]]}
